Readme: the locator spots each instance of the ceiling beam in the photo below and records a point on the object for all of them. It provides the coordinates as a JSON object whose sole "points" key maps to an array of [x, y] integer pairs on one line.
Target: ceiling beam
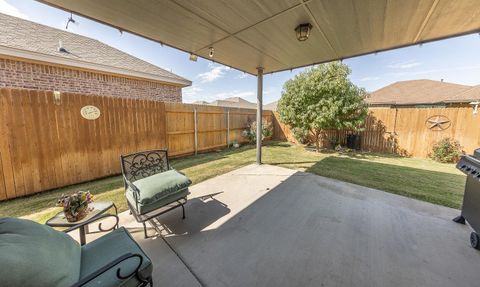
{"points": [[225, 31], [255, 24], [425, 21], [315, 22]]}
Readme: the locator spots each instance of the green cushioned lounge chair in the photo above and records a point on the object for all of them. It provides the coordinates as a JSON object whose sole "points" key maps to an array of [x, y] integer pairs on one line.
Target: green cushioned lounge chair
{"points": [[152, 187], [33, 254]]}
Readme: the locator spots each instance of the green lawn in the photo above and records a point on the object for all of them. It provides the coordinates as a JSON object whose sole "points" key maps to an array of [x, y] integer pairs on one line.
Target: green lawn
{"points": [[412, 177]]}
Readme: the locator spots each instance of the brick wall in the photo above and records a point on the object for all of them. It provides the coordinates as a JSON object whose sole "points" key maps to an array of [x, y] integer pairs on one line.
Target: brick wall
{"points": [[27, 75]]}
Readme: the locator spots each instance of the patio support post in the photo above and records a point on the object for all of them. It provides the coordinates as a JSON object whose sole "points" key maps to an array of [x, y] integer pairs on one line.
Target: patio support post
{"points": [[259, 113]]}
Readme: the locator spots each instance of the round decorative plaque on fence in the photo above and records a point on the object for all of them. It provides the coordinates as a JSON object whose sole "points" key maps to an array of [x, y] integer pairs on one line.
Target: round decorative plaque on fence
{"points": [[90, 112], [438, 123]]}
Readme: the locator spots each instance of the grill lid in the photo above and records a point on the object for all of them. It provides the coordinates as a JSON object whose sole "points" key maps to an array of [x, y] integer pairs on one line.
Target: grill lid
{"points": [[476, 153]]}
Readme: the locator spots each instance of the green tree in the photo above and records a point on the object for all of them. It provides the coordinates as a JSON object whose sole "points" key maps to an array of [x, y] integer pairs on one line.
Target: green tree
{"points": [[322, 98]]}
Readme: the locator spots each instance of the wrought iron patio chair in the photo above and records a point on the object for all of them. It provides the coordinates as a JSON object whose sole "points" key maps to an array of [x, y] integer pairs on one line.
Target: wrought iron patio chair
{"points": [[152, 187]]}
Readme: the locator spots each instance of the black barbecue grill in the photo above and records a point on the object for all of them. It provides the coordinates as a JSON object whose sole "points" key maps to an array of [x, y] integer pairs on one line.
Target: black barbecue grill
{"points": [[470, 165]]}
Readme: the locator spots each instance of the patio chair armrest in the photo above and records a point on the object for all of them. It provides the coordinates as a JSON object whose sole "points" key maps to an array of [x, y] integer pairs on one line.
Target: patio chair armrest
{"points": [[93, 219], [133, 187], [119, 274]]}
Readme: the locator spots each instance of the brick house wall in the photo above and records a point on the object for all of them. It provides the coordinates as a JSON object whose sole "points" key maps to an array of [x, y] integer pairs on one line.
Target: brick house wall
{"points": [[21, 74]]}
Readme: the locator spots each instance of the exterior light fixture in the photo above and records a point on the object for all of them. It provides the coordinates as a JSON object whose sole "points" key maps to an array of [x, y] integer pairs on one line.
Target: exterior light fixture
{"points": [[212, 51], [193, 57], [61, 48], [70, 20], [475, 107], [303, 31]]}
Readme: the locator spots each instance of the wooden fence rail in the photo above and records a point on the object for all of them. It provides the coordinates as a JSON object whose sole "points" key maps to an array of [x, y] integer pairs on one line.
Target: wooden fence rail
{"points": [[45, 144]]}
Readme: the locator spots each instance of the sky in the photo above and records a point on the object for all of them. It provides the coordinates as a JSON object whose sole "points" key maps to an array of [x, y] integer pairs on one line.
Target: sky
{"points": [[455, 60]]}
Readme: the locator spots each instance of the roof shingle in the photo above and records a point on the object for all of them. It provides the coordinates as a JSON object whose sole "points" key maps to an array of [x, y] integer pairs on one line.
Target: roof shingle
{"points": [[423, 92], [33, 37]]}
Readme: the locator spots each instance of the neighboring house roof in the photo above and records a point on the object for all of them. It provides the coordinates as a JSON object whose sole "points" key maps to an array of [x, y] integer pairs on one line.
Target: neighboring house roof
{"points": [[423, 92], [26, 39], [200, 103], [271, 107], [237, 102], [472, 94], [234, 102]]}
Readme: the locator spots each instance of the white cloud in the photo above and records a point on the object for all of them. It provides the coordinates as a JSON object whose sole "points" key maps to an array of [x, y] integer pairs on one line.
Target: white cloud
{"points": [[9, 9], [216, 72], [241, 76], [369, 79], [404, 65]]}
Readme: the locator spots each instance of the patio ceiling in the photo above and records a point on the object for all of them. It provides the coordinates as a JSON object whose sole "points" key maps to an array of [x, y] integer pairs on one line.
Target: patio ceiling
{"points": [[260, 33]]}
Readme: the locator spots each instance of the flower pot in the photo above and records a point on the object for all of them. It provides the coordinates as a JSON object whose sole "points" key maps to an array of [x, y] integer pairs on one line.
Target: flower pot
{"points": [[80, 213]]}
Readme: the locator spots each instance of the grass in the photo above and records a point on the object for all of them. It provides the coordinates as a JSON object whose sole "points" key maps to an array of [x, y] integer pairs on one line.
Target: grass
{"points": [[422, 179]]}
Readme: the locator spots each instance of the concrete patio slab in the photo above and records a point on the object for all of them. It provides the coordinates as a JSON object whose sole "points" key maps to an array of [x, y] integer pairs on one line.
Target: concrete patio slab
{"points": [[271, 226]]}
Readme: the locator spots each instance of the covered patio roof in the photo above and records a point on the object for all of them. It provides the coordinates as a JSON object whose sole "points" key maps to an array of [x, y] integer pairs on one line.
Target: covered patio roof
{"points": [[246, 35]]}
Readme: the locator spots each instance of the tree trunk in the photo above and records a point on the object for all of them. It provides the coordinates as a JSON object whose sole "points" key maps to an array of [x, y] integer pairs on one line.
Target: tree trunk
{"points": [[337, 138], [317, 141]]}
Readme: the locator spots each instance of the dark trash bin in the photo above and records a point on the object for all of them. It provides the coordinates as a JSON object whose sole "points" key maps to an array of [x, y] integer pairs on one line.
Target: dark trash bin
{"points": [[353, 141]]}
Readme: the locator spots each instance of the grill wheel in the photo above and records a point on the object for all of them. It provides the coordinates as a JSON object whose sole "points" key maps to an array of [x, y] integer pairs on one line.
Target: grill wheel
{"points": [[475, 240]]}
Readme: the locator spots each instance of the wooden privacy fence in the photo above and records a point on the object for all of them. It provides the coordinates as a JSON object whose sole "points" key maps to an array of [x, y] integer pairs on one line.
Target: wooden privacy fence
{"points": [[407, 131], [195, 128], [45, 143]]}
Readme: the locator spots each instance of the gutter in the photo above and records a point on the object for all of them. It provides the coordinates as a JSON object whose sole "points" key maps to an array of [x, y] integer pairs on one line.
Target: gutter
{"points": [[29, 55]]}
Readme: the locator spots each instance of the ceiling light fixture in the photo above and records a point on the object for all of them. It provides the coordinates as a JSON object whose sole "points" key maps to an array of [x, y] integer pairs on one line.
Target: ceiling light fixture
{"points": [[303, 31], [212, 51], [193, 57]]}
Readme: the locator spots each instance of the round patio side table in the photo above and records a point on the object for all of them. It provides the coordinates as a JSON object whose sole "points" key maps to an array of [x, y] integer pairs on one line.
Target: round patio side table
{"points": [[97, 212]]}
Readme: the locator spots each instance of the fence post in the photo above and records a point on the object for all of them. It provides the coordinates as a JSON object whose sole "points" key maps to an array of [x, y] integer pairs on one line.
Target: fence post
{"points": [[228, 128], [195, 129]]}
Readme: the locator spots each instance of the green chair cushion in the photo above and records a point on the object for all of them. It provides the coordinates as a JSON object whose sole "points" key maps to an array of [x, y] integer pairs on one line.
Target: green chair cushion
{"points": [[161, 185], [33, 254], [158, 188], [146, 208], [107, 248]]}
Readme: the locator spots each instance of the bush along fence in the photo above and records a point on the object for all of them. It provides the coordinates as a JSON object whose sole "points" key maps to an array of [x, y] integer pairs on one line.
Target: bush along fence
{"points": [[407, 131], [49, 140]]}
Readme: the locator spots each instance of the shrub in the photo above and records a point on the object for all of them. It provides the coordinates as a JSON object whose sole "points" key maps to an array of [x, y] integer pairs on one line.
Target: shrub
{"points": [[251, 132], [446, 150], [301, 135]]}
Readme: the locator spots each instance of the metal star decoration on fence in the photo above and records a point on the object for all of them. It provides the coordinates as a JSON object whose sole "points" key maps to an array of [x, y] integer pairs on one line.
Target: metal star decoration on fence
{"points": [[438, 123]]}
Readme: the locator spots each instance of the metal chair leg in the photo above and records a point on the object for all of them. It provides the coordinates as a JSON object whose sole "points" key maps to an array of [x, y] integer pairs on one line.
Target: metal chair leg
{"points": [[183, 212], [145, 230]]}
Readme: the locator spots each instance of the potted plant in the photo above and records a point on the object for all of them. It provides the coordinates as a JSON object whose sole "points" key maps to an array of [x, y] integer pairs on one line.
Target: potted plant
{"points": [[75, 205]]}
